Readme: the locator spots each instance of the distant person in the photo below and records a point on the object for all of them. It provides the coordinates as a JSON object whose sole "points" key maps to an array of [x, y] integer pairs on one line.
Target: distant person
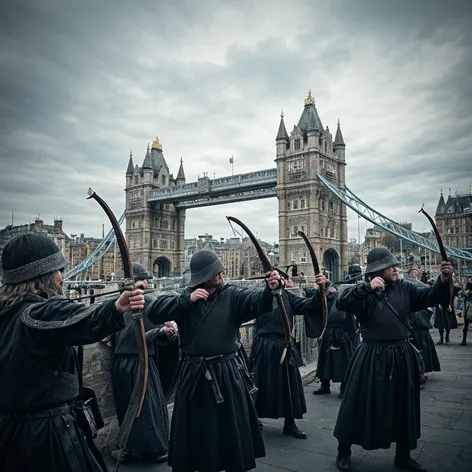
{"points": [[38, 363], [467, 310]]}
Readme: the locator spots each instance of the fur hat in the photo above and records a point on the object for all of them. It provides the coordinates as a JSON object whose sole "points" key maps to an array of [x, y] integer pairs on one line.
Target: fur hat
{"points": [[29, 256], [140, 272]]}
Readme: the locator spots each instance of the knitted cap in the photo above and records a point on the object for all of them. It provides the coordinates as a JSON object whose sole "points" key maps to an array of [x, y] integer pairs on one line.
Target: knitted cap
{"points": [[140, 272], [379, 259], [29, 256]]}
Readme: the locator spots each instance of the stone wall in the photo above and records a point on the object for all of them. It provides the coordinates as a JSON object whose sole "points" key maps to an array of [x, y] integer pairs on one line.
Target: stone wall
{"points": [[97, 376]]}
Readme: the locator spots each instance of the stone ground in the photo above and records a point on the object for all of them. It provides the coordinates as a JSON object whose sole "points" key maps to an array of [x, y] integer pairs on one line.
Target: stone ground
{"points": [[445, 443]]}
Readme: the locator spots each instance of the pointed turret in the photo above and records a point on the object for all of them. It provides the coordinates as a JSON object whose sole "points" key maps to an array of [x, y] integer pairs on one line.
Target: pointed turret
{"points": [[441, 208], [181, 174], [147, 164], [130, 168], [310, 121], [282, 134], [339, 140]]}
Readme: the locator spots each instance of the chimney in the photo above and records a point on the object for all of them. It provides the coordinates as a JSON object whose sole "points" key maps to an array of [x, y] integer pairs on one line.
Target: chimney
{"points": [[58, 224], [39, 224]]}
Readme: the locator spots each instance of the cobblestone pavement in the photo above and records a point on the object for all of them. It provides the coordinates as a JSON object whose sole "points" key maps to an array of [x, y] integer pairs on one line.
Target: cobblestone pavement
{"points": [[445, 443]]}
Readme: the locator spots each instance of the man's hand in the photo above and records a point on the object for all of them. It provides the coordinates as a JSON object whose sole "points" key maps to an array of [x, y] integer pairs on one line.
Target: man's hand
{"points": [[273, 280], [320, 279], [130, 300], [199, 294], [446, 271], [141, 284], [378, 284]]}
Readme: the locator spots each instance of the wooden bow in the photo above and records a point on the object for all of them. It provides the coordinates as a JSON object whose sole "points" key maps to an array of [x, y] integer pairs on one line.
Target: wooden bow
{"points": [[139, 390], [316, 267], [442, 250], [268, 267]]}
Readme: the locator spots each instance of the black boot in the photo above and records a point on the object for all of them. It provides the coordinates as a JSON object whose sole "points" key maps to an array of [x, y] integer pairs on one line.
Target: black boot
{"points": [[291, 429], [441, 339], [324, 388], [464, 339], [447, 337], [343, 459]]}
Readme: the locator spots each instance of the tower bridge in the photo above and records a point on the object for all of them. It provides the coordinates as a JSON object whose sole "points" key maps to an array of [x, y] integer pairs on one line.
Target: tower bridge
{"points": [[207, 192], [156, 201]]}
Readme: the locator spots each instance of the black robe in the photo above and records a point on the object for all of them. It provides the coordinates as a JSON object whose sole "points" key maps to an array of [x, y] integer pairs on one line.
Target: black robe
{"points": [[420, 326], [338, 343], [38, 363], [214, 423], [149, 434], [280, 389], [381, 402]]}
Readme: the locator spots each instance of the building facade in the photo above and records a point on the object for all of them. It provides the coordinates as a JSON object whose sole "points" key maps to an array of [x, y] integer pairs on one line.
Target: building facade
{"points": [[454, 220], [304, 204]]}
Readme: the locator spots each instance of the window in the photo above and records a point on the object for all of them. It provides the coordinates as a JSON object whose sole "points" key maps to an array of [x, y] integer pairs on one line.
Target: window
{"points": [[164, 224], [295, 204], [154, 243], [296, 144], [322, 204], [331, 206], [164, 244], [331, 233], [164, 179], [288, 205], [302, 203]]}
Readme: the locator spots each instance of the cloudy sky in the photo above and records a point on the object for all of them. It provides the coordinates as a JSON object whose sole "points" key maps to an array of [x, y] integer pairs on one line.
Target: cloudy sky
{"points": [[84, 82]]}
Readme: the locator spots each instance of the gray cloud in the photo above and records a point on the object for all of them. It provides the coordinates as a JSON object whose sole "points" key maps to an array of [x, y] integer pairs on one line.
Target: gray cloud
{"points": [[83, 84]]}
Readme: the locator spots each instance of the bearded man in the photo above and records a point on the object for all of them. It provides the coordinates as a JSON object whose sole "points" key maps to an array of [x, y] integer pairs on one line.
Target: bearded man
{"points": [[381, 402], [214, 422], [39, 368]]}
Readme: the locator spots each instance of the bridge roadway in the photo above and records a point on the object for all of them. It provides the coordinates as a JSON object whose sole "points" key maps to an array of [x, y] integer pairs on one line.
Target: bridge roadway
{"points": [[445, 443]]}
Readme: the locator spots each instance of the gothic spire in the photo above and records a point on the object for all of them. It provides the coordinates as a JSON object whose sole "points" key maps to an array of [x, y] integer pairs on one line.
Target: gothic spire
{"points": [[441, 208], [282, 134], [130, 164], [147, 164], [181, 173], [339, 140]]}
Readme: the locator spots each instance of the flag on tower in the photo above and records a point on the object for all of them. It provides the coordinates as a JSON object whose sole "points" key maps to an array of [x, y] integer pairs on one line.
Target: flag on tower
{"points": [[231, 160]]}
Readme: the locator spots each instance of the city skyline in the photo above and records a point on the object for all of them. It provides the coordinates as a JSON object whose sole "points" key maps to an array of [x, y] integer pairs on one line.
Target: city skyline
{"points": [[83, 85]]}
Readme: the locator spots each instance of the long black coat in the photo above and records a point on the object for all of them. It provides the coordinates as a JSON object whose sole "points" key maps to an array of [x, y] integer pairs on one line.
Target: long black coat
{"points": [[214, 423], [338, 343], [39, 364], [420, 326], [381, 402], [280, 389], [150, 430]]}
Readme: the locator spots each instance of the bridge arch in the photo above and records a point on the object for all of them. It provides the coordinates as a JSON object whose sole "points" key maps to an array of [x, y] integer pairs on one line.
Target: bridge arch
{"points": [[331, 264], [161, 267]]}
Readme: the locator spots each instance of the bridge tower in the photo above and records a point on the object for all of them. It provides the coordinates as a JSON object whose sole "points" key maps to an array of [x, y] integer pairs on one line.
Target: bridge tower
{"points": [[154, 231], [304, 203]]}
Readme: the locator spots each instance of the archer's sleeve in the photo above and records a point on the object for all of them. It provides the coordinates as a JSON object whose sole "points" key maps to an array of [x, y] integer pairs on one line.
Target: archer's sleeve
{"points": [[304, 305], [424, 297], [62, 322], [251, 303], [168, 308], [355, 300]]}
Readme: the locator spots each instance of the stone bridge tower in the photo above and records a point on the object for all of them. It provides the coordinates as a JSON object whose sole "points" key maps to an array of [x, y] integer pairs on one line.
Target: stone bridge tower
{"points": [[154, 232], [304, 203]]}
